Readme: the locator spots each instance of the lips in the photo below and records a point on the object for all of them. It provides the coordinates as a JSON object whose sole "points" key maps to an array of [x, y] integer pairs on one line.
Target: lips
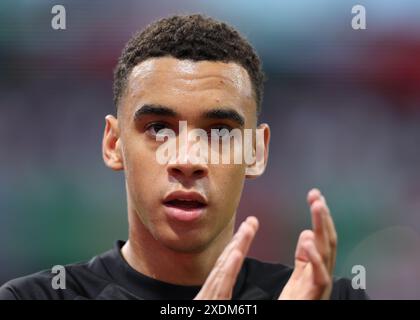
{"points": [[185, 206]]}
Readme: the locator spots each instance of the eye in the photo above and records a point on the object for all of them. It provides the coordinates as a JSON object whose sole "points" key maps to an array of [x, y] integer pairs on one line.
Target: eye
{"points": [[154, 127], [221, 130]]}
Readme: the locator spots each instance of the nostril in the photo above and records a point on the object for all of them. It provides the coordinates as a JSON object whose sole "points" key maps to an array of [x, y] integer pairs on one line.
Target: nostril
{"points": [[176, 171], [199, 173], [187, 171]]}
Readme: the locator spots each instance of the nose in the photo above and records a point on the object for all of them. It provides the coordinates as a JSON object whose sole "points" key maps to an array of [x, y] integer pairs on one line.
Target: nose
{"points": [[186, 167], [182, 171]]}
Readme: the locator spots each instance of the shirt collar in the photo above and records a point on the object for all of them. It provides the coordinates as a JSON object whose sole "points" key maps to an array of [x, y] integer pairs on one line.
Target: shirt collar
{"points": [[146, 287]]}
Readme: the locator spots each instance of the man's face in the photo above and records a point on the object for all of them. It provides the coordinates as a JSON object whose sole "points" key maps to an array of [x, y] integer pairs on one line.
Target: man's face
{"points": [[208, 95]]}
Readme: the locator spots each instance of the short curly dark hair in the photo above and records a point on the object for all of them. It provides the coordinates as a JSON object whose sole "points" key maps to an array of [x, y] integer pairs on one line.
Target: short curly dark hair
{"points": [[192, 37]]}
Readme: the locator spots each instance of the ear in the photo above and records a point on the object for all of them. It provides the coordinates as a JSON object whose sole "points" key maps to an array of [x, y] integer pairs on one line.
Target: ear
{"points": [[111, 144], [260, 151]]}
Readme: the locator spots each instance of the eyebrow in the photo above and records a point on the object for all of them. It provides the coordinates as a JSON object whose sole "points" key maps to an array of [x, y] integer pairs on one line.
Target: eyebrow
{"points": [[153, 109], [218, 113], [225, 114]]}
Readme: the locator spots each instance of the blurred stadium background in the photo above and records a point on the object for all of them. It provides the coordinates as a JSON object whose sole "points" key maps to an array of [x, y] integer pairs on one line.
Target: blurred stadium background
{"points": [[344, 107]]}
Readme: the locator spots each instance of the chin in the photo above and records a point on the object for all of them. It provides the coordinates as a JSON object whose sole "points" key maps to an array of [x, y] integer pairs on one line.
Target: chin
{"points": [[190, 242]]}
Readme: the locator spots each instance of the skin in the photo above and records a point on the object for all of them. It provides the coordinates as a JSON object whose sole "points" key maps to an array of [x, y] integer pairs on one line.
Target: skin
{"points": [[202, 252]]}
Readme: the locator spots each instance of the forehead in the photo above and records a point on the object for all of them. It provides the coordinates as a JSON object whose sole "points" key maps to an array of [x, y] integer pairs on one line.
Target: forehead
{"points": [[184, 83]]}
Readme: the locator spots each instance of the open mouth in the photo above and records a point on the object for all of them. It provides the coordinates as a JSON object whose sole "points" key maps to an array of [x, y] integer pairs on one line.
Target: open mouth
{"points": [[185, 204]]}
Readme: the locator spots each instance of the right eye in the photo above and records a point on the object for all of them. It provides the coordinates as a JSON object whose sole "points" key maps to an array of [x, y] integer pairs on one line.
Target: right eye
{"points": [[155, 127]]}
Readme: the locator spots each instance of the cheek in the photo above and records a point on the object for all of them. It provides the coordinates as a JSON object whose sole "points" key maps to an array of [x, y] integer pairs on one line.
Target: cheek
{"points": [[142, 173], [229, 182]]}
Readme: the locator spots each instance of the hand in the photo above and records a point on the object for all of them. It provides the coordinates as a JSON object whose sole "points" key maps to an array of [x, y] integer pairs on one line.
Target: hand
{"points": [[221, 280], [315, 255]]}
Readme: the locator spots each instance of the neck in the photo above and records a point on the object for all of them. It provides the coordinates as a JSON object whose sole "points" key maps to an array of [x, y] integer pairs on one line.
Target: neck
{"points": [[150, 257]]}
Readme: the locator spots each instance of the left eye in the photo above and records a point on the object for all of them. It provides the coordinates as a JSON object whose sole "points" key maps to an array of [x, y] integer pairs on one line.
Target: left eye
{"points": [[221, 130], [154, 128]]}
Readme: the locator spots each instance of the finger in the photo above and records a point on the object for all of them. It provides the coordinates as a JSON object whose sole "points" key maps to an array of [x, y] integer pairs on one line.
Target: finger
{"points": [[220, 282], [240, 246], [314, 199], [300, 254], [301, 257], [221, 279], [313, 195], [229, 275], [319, 224], [332, 235], [242, 239], [252, 226], [220, 285], [321, 276]]}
